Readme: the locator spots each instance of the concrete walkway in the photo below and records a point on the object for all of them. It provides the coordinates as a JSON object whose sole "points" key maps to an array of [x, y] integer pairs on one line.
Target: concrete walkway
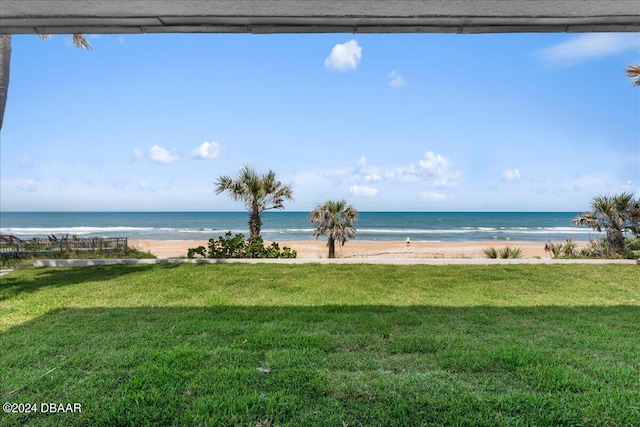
{"points": [[3, 272], [90, 262]]}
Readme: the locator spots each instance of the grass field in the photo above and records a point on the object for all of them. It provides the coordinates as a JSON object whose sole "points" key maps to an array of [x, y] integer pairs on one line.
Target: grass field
{"points": [[344, 345]]}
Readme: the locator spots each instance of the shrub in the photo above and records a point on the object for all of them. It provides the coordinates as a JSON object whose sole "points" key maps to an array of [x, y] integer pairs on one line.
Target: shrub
{"points": [[633, 244], [601, 248], [509, 252], [491, 252], [504, 253], [598, 248], [229, 246], [555, 249], [562, 250], [26, 259], [200, 250]]}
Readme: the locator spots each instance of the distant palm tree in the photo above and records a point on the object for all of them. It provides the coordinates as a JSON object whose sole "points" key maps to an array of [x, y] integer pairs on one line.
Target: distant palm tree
{"points": [[334, 219], [5, 65], [259, 192], [633, 71], [615, 214]]}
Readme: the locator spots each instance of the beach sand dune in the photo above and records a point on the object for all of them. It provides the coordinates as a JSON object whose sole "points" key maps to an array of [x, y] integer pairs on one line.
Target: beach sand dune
{"points": [[317, 249]]}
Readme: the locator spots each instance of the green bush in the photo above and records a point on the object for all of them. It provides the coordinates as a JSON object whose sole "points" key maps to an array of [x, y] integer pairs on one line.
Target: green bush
{"points": [[601, 248], [562, 250], [595, 249], [200, 250], [504, 253], [598, 248], [509, 252], [229, 246], [633, 244], [491, 252], [26, 259]]}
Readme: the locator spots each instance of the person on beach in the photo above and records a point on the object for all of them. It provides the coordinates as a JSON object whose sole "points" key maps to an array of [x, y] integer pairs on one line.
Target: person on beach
{"points": [[408, 241]]}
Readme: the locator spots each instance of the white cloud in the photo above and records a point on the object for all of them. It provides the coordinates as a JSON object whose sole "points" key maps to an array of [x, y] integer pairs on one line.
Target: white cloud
{"points": [[207, 150], [588, 184], [395, 79], [345, 56], [432, 196], [589, 46], [435, 168], [162, 155], [350, 174], [137, 154], [627, 186], [511, 175], [28, 185], [338, 175], [433, 164], [362, 191]]}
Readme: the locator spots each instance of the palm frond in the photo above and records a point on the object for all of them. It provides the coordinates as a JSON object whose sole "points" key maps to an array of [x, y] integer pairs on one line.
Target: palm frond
{"points": [[223, 183], [80, 42], [633, 71]]}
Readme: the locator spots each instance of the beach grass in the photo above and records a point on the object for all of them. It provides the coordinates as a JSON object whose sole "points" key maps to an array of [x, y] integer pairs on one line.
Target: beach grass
{"points": [[325, 345]]}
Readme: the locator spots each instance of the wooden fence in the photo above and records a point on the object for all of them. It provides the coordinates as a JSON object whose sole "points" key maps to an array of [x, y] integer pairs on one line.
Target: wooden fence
{"points": [[14, 247]]}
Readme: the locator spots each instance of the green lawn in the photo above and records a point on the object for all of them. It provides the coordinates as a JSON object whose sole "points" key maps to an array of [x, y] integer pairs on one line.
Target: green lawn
{"points": [[354, 345]]}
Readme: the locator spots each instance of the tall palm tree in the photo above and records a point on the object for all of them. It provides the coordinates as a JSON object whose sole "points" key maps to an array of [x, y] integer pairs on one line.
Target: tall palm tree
{"points": [[633, 71], [334, 219], [5, 65], [615, 214], [259, 192], [5, 68]]}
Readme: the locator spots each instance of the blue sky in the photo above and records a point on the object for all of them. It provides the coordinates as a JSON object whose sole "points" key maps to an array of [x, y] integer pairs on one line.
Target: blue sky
{"points": [[423, 122]]}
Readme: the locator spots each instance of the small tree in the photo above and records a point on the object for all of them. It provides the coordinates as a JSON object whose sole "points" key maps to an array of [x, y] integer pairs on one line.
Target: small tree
{"points": [[616, 215], [259, 192], [334, 219]]}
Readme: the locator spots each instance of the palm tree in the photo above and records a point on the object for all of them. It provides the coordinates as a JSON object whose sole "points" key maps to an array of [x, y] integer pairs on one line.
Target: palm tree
{"points": [[615, 214], [5, 65], [259, 192], [333, 219], [5, 62], [633, 71]]}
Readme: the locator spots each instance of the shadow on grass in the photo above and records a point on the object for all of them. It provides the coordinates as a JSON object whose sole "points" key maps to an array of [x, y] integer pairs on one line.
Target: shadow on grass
{"points": [[12, 286], [361, 365]]}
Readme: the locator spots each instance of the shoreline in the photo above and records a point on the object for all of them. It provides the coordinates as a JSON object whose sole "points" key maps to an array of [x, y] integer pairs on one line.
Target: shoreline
{"points": [[317, 249]]}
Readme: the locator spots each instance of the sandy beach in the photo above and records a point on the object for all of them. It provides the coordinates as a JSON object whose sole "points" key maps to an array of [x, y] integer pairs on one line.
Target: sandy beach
{"points": [[317, 249]]}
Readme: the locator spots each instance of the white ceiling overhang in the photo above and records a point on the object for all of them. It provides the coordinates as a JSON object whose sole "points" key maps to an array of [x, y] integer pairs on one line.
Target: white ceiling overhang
{"points": [[317, 16]]}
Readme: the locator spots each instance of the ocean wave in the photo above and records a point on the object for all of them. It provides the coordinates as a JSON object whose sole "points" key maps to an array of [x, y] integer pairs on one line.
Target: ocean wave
{"points": [[480, 230], [197, 230], [461, 233], [80, 231], [287, 230]]}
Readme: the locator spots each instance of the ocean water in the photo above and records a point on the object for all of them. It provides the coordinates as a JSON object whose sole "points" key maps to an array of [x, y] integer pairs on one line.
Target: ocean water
{"points": [[281, 226]]}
